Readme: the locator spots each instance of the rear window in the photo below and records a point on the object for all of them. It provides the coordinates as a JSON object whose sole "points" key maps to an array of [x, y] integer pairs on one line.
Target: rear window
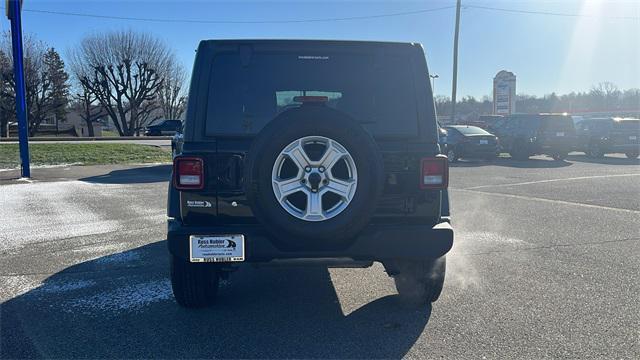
{"points": [[627, 125], [377, 91], [471, 130], [557, 123]]}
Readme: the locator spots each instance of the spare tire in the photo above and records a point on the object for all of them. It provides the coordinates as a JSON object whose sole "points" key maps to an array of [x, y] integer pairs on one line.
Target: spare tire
{"points": [[313, 176]]}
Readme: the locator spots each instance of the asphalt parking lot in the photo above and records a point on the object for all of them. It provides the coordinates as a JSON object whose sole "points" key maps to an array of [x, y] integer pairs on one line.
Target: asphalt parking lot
{"points": [[545, 265]]}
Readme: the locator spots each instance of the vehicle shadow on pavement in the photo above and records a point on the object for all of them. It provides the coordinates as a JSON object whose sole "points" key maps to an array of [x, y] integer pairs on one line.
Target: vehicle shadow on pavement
{"points": [[137, 175], [120, 306], [606, 160], [533, 163], [9, 175]]}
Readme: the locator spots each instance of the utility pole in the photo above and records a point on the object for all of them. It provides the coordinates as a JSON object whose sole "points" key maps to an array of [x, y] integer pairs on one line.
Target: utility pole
{"points": [[455, 62], [13, 8]]}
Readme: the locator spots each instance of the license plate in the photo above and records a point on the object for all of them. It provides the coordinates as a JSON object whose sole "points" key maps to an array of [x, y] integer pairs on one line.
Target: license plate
{"points": [[484, 142], [559, 134], [216, 248], [633, 137]]}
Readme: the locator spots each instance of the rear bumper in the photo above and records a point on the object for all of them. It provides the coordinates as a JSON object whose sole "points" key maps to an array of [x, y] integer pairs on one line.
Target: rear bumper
{"points": [[479, 151], [551, 149], [622, 148], [375, 243]]}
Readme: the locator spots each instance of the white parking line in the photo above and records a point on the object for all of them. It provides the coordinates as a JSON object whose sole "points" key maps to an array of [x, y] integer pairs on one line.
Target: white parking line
{"points": [[562, 202], [551, 180]]}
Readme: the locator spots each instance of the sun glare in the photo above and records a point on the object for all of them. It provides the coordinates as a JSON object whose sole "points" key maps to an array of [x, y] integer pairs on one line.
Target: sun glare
{"points": [[586, 36]]}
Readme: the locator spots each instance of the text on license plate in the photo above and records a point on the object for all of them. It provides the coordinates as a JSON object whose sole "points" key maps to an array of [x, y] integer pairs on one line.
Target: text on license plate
{"points": [[633, 137], [484, 142], [216, 248], [560, 134]]}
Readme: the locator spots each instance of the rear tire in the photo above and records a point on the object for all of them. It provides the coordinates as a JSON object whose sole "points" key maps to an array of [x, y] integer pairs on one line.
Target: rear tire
{"points": [[519, 153], [452, 156], [594, 151], [420, 282], [559, 157], [194, 284], [632, 155]]}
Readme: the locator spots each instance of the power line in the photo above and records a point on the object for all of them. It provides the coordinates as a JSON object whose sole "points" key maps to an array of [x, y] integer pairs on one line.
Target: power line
{"points": [[515, 11], [348, 18], [200, 21]]}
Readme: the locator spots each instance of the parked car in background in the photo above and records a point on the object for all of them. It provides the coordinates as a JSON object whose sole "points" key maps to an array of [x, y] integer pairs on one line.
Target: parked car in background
{"points": [[597, 137], [470, 142], [525, 135], [163, 128], [577, 118], [488, 121], [442, 139]]}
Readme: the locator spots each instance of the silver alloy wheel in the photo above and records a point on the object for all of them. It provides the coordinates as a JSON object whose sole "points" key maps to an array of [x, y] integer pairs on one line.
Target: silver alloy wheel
{"points": [[451, 155], [328, 181]]}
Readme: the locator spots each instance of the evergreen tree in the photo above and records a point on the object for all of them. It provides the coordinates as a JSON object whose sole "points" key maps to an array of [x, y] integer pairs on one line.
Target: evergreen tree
{"points": [[58, 78]]}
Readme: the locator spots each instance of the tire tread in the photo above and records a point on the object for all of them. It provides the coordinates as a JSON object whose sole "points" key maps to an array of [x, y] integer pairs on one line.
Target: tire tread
{"points": [[193, 285]]}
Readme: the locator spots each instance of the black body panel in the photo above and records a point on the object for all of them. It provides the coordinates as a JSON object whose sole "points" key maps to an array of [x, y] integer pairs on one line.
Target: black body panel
{"points": [[376, 243]]}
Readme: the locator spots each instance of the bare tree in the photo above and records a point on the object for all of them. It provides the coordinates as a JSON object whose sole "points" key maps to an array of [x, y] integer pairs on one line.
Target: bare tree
{"points": [[151, 111], [124, 70], [606, 95], [88, 108], [172, 95]]}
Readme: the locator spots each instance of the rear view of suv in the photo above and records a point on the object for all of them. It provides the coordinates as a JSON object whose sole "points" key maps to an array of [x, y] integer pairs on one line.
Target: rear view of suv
{"points": [[322, 152], [525, 135], [597, 137]]}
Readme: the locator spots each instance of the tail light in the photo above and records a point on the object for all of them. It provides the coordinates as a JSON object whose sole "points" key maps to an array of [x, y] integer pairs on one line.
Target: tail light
{"points": [[188, 173], [434, 173]]}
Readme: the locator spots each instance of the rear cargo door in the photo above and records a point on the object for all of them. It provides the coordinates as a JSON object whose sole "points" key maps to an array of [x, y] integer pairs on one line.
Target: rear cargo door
{"points": [[625, 132], [557, 130], [383, 87]]}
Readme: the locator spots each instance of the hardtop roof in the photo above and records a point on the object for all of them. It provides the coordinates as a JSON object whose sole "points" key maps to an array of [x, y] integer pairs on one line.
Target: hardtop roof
{"points": [[305, 44]]}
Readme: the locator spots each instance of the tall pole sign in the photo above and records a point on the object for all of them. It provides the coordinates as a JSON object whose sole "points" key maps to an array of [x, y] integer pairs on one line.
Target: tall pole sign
{"points": [[504, 93], [454, 85], [13, 13]]}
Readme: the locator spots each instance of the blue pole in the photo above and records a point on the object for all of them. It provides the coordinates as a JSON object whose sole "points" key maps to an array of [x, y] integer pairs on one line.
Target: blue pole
{"points": [[13, 12]]}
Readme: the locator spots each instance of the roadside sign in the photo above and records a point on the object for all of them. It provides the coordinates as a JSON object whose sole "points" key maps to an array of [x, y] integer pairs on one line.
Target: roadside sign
{"points": [[504, 93]]}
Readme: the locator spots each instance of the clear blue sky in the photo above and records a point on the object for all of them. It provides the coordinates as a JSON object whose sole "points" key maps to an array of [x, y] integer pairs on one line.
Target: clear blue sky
{"points": [[547, 53]]}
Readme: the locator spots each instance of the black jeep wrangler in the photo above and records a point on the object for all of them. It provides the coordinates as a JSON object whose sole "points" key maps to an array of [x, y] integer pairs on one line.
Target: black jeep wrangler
{"points": [[309, 152], [597, 137], [525, 135]]}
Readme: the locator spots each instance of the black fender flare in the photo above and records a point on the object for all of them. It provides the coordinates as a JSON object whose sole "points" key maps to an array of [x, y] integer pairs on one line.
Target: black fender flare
{"points": [[173, 200]]}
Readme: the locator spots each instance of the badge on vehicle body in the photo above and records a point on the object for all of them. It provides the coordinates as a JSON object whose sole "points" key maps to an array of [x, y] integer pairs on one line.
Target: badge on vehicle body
{"points": [[198, 204]]}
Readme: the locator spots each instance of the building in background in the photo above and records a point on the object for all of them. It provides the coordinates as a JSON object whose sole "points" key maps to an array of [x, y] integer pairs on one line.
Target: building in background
{"points": [[504, 93]]}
